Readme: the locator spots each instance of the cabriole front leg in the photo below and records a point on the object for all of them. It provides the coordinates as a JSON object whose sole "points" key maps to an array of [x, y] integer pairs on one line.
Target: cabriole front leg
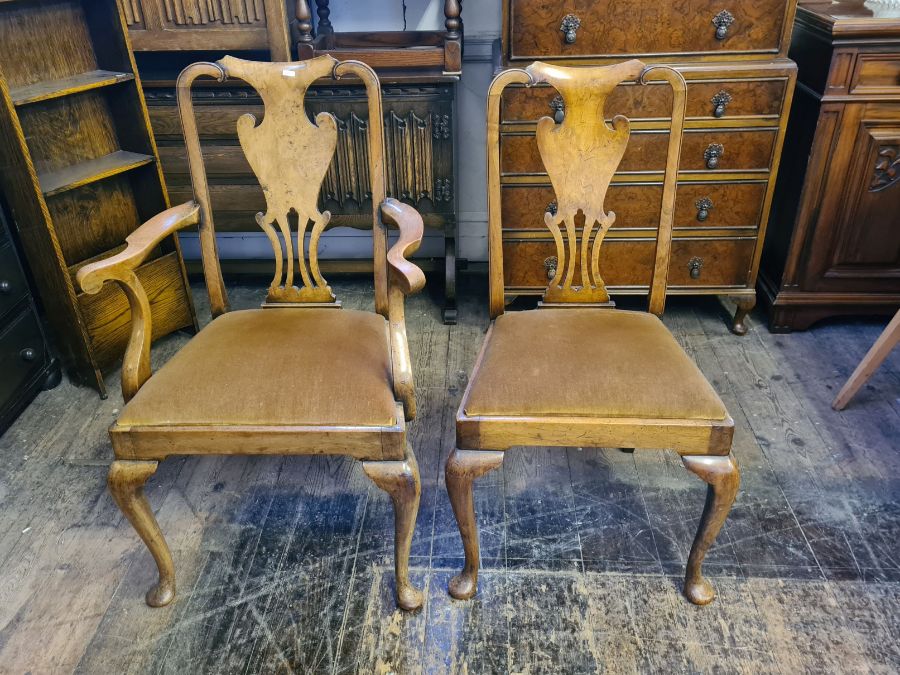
{"points": [[126, 483], [401, 481], [463, 467], [722, 476], [745, 305]]}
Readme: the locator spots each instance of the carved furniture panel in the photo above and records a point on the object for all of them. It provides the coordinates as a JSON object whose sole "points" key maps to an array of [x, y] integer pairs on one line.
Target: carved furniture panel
{"points": [[576, 371], [739, 89], [834, 244], [212, 25], [235, 388], [81, 173]]}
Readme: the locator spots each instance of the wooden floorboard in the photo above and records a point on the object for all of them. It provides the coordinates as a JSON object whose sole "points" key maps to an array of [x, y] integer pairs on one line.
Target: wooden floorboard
{"points": [[285, 564]]}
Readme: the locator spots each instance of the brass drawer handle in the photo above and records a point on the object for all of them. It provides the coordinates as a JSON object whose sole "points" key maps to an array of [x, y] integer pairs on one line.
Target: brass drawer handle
{"points": [[570, 25], [5, 287], [712, 154], [704, 206], [695, 265], [720, 101], [552, 208], [722, 21], [558, 106], [551, 264], [28, 354]]}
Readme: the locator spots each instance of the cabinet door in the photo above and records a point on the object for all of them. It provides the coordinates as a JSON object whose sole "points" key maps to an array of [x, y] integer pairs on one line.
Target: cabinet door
{"points": [[855, 245]]}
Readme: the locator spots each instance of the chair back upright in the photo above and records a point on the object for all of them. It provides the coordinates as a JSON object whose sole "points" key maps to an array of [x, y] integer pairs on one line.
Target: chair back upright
{"points": [[581, 154]]}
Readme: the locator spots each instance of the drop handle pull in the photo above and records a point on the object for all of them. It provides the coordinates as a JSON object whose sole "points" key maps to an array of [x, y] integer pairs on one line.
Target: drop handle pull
{"points": [[720, 102], [28, 354], [695, 265], [713, 154], [569, 27], [722, 21], [558, 106], [704, 206], [551, 264]]}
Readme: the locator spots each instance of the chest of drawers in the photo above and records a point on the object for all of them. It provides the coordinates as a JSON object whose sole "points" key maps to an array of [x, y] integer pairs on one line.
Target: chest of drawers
{"points": [[740, 86]]}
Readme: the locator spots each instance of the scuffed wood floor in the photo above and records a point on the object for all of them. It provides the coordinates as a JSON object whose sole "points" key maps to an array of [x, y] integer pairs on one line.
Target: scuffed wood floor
{"points": [[284, 565]]}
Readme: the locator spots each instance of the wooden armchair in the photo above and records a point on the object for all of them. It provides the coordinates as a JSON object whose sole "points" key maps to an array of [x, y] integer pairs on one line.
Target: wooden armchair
{"points": [[577, 372], [300, 375]]}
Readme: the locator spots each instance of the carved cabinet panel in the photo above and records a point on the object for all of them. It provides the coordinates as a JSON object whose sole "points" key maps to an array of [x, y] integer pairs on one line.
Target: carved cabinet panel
{"points": [[834, 243]]}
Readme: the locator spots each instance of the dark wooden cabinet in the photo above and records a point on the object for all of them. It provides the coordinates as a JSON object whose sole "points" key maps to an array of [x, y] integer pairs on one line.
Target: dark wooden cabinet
{"points": [[26, 365], [834, 243], [740, 86]]}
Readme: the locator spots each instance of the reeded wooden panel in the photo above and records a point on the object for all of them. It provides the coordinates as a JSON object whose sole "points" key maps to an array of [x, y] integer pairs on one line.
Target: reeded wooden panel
{"points": [[654, 101], [637, 206], [646, 151], [722, 262], [637, 27]]}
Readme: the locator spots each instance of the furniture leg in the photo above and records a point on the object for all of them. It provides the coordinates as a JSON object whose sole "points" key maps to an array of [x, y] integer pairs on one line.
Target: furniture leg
{"points": [[870, 363], [745, 305], [400, 479], [126, 484], [463, 467], [723, 477], [449, 313]]}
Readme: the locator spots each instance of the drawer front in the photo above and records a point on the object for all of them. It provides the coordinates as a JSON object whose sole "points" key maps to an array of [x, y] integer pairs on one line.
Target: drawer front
{"points": [[876, 74], [712, 205], [695, 263], [748, 98], [12, 283], [705, 150], [21, 353], [639, 27]]}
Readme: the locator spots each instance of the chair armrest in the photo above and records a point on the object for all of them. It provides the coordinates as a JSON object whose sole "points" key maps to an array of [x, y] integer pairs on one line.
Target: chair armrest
{"points": [[120, 268], [140, 244], [409, 222]]}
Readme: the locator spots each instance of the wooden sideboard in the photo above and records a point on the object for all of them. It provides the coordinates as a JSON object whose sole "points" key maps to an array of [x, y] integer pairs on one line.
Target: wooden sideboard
{"points": [[834, 242], [740, 86]]}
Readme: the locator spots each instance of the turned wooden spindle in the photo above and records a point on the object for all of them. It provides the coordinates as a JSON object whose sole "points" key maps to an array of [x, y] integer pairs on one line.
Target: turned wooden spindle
{"points": [[452, 10], [304, 22], [323, 25]]}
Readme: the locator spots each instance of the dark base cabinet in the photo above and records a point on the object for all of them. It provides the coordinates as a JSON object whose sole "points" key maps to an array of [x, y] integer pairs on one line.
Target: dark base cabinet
{"points": [[418, 123], [833, 244], [26, 365]]}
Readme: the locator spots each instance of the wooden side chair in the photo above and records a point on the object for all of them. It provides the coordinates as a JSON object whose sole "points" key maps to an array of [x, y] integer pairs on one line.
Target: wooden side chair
{"points": [[300, 375], [577, 372]]}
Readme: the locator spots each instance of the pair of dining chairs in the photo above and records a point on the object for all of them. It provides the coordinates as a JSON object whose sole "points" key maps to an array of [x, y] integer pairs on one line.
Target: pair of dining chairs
{"points": [[300, 375]]}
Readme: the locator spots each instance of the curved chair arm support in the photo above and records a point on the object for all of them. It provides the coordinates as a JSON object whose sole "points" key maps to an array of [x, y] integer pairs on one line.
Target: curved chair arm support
{"points": [[120, 269], [403, 272], [405, 278]]}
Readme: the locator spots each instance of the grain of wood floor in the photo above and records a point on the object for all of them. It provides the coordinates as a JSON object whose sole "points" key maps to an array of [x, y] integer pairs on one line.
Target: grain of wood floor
{"points": [[284, 565]]}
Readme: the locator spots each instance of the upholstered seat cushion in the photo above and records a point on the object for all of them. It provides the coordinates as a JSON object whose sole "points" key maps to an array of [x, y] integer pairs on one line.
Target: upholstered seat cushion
{"points": [[588, 362], [274, 367]]}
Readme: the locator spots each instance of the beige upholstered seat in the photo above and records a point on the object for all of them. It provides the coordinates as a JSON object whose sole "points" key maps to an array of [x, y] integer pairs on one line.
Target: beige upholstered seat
{"points": [[586, 362], [275, 367]]}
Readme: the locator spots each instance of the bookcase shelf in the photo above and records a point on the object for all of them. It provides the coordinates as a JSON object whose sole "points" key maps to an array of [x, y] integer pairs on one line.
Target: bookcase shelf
{"points": [[83, 173], [66, 86]]}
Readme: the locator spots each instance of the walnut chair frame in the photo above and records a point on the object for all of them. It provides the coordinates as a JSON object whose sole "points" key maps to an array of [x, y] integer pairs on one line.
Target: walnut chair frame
{"points": [[290, 155], [581, 154]]}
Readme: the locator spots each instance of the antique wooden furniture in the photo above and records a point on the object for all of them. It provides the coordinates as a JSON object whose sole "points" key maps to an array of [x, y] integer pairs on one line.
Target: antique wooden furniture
{"points": [[576, 372], [26, 365], [418, 72], [833, 246], [882, 348], [423, 50], [300, 375], [739, 92], [80, 172], [211, 25]]}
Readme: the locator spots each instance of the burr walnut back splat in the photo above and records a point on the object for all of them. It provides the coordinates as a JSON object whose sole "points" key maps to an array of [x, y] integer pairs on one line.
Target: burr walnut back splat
{"points": [[581, 153], [290, 154]]}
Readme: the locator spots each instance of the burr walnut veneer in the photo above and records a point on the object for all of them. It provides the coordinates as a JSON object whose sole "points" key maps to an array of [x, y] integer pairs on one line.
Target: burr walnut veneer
{"points": [[300, 375], [739, 89], [576, 371]]}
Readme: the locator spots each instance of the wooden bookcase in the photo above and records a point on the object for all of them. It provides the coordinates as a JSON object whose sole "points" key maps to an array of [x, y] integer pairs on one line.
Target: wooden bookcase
{"points": [[80, 172]]}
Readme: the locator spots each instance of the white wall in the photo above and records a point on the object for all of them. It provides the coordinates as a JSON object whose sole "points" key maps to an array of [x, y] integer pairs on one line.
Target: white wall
{"points": [[482, 26]]}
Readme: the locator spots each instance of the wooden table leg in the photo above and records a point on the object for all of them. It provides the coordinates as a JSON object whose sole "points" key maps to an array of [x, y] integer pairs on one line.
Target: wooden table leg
{"points": [[870, 363]]}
